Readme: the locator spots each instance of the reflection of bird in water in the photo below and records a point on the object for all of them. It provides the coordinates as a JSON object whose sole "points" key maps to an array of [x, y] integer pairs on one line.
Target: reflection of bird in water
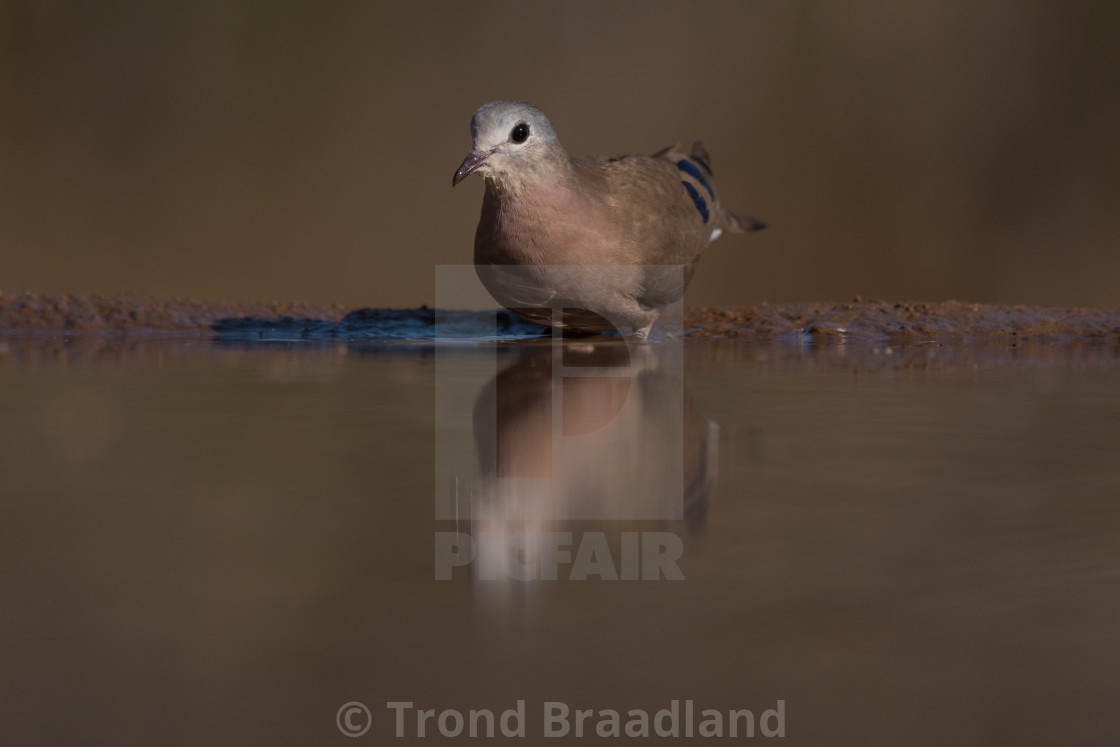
{"points": [[585, 431]]}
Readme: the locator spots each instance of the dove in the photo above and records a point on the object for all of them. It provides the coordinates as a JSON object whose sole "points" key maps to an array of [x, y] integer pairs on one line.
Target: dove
{"points": [[590, 243]]}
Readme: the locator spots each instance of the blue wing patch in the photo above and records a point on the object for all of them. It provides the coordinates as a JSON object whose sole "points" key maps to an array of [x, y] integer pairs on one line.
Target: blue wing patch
{"points": [[690, 168], [697, 200]]}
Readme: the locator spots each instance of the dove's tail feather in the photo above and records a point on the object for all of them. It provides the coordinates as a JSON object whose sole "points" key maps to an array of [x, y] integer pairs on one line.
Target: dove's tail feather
{"points": [[701, 173], [735, 223], [700, 155], [742, 223]]}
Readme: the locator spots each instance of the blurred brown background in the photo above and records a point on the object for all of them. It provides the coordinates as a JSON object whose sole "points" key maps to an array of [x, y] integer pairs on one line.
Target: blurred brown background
{"points": [[940, 149]]}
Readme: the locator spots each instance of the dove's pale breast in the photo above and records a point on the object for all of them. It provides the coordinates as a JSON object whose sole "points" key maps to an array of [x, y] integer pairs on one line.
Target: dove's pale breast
{"points": [[633, 210], [546, 223], [534, 246]]}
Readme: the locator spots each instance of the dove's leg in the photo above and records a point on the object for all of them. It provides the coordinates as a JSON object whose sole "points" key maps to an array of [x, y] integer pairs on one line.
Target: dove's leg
{"points": [[643, 333]]}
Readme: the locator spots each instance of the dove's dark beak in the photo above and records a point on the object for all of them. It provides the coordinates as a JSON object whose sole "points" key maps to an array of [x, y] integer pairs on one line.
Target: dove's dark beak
{"points": [[473, 160]]}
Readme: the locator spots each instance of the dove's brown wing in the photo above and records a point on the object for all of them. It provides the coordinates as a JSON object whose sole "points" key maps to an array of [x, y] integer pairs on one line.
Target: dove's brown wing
{"points": [[664, 209]]}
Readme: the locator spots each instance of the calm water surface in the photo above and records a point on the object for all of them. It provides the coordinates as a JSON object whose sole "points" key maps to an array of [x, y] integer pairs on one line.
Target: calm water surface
{"points": [[206, 543]]}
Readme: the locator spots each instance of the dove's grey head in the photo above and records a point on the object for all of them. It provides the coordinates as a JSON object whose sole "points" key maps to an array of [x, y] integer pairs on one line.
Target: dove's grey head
{"points": [[511, 138]]}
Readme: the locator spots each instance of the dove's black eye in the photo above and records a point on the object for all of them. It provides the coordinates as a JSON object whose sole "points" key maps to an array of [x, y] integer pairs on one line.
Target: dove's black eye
{"points": [[520, 133]]}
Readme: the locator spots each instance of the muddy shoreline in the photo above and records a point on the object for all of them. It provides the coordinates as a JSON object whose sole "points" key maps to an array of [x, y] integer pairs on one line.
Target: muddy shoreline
{"points": [[945, 321], [137, 312], [145, 330], [902, 322]]}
